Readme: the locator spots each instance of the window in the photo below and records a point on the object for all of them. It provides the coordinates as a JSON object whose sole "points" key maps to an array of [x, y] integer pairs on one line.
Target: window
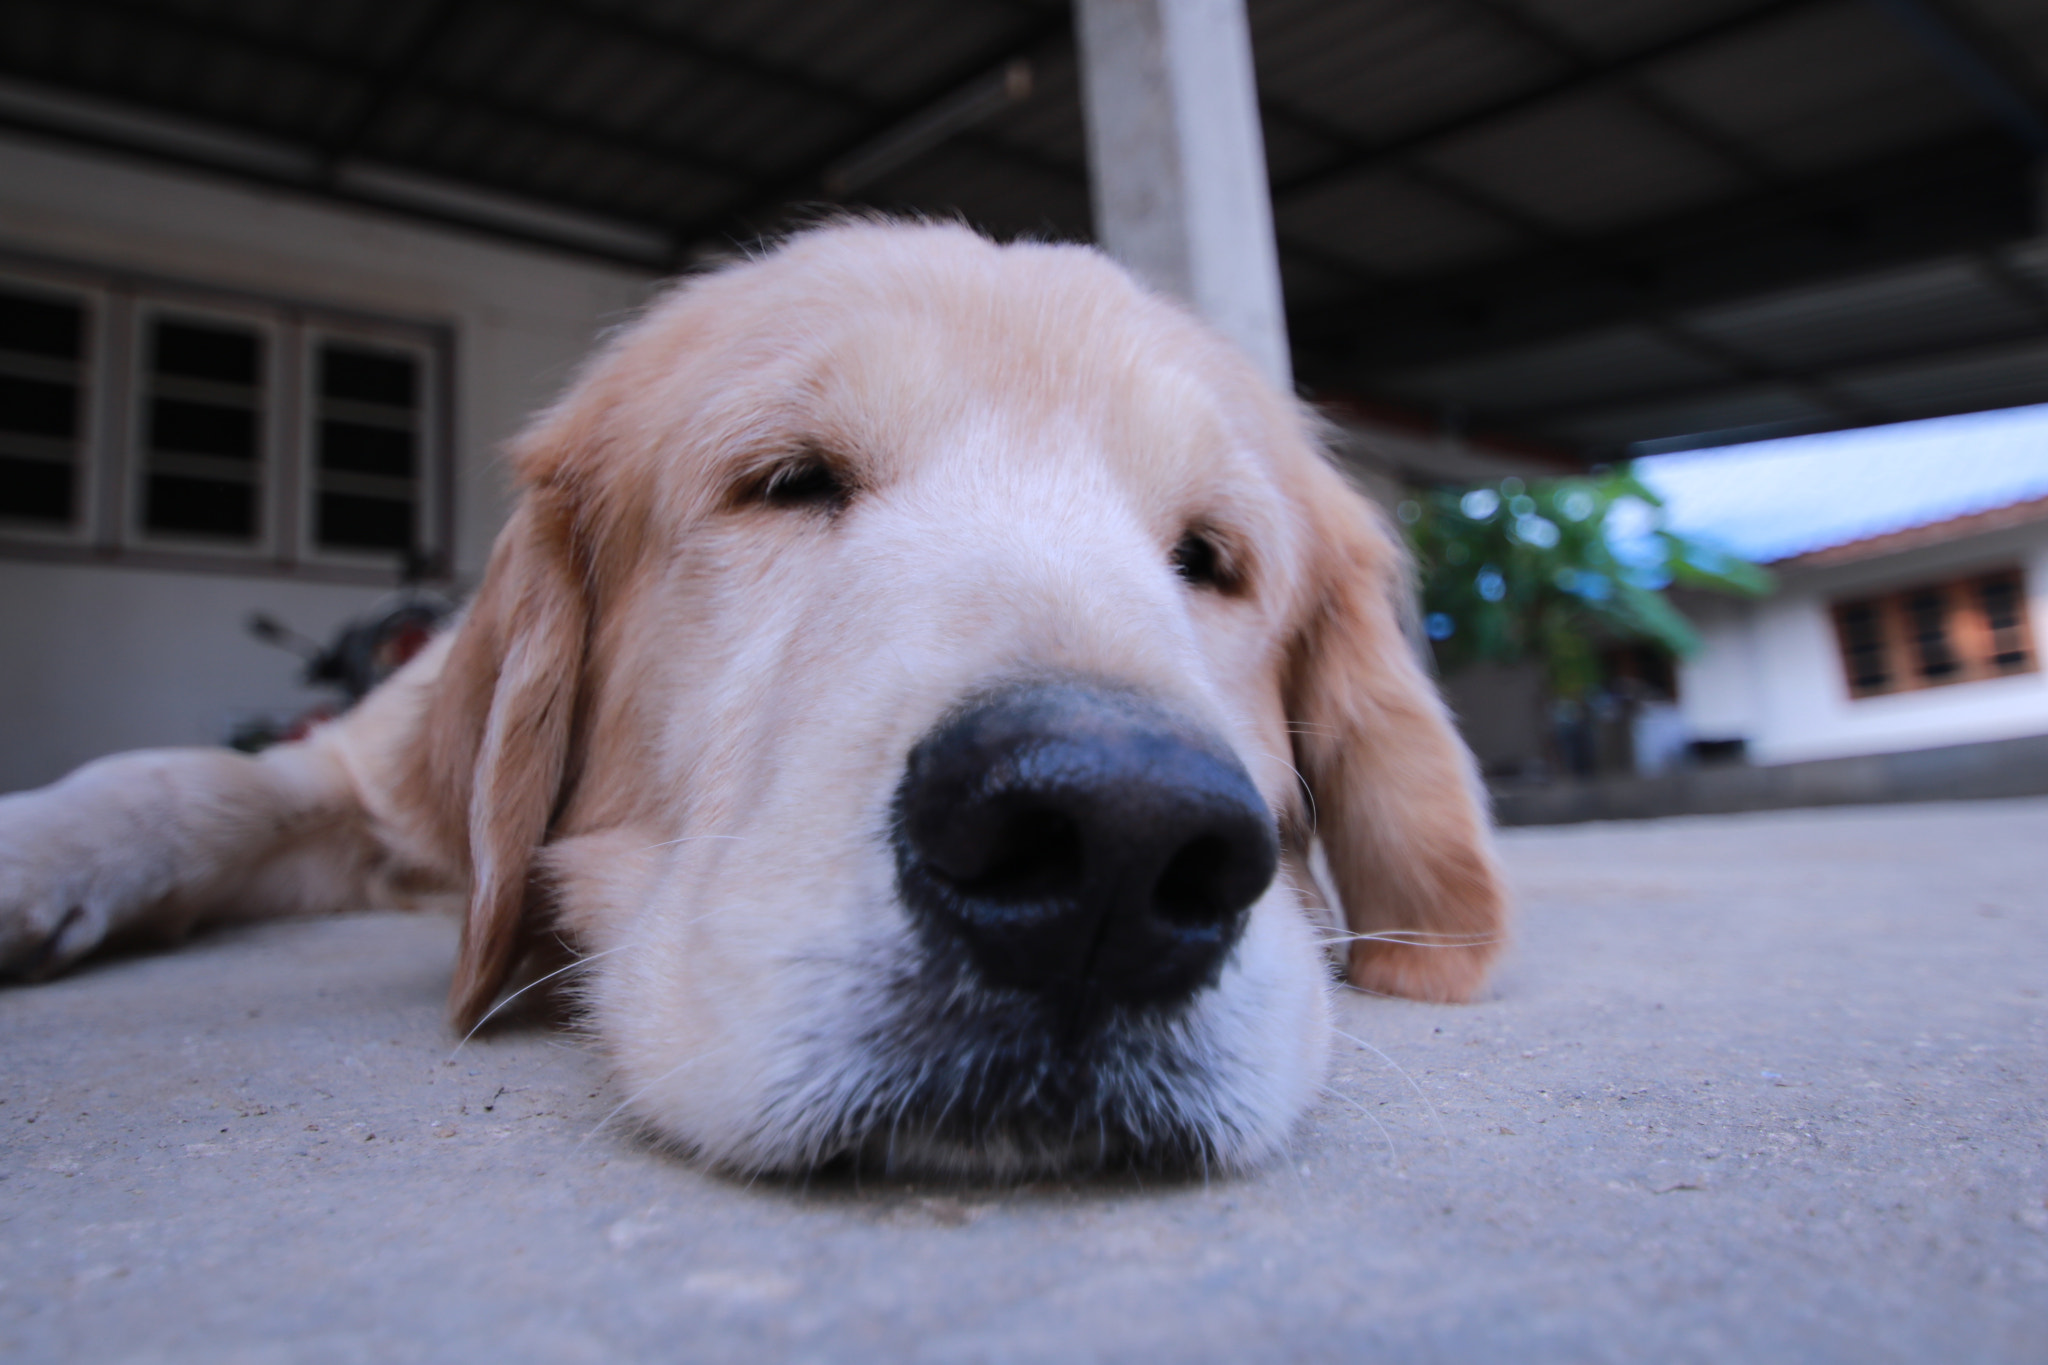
{"points": [[203, 417], [1961, 630], [42, 386], [367, 439], [176, 426]]}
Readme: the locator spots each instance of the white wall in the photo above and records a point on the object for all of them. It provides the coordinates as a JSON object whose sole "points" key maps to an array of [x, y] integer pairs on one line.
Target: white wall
{"points": [[1771, 672], [1720, 689], [98, 658]]}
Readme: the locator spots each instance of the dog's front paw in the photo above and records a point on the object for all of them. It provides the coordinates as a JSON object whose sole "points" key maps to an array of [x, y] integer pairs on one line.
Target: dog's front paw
{"points": [[52, 912], [74, 869], [49, 917], [41, 936]]}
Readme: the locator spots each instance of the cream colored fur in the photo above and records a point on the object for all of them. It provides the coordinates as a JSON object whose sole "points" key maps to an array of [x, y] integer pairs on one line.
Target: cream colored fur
{"points": [[672, 723]]}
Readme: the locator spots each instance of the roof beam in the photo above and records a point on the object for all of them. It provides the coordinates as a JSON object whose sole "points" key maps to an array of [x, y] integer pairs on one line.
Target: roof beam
{"points": [[1997, 267], [1562, 47], [1591, 76], [1532, 228], [297, 170], [1800, 377], [790, 78], [1741, 368], [1040, 38], [1962, 196], [394, 81], [1972, 61], [1442, 182], [1834, 374], [370, 79], [932, 127]]}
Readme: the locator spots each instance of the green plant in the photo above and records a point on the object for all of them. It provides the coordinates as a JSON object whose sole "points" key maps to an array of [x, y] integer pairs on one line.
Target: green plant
{"points": [[1555, 569]]}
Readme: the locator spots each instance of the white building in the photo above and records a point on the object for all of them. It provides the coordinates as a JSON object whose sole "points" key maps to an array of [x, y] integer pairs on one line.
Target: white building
{"points": [[1912, 569], [340, 381]]}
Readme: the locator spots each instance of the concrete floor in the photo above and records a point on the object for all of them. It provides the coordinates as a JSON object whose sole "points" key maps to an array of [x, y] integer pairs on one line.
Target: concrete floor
{"points": [[1764, 1087]]}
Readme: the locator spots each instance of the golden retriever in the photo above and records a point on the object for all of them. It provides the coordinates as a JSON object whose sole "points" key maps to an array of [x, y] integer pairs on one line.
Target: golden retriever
{"points": [[912, 679]]}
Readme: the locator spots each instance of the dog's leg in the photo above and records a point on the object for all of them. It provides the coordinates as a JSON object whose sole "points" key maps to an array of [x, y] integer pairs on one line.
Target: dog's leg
{"points": [[149, 844]]}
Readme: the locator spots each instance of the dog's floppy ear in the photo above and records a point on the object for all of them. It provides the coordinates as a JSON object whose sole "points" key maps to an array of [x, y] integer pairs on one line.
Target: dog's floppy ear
{"points": [[1397, 797], [498, 729]]}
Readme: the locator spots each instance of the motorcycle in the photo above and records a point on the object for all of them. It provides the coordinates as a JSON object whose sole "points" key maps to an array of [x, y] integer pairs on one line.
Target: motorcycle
{"points": [[362, 654]]}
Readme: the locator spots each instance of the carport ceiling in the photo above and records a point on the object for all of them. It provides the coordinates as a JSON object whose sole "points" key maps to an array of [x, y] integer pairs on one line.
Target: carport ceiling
{"points": [[1576, 224]]}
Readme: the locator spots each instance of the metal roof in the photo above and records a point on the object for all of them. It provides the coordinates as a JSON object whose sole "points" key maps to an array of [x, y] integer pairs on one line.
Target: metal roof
{"points": [[1775, 500], [1578, 225]]}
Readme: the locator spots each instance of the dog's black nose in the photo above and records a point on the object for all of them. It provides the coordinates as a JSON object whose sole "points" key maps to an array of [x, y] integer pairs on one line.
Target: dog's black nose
{"points": [[1082, 844]]}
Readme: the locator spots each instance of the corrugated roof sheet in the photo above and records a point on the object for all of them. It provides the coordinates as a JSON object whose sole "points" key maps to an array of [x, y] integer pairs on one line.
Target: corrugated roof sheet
{"points": [[1575, 223]]}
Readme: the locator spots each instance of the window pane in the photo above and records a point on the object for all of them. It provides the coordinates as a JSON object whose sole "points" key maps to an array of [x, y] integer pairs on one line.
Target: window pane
{"points": [[364, 523], [230, 355], [201, 507], [367, 434], [33, 324], [368, 376], [42, 345], [2001, 600], [1927, 610], [365, 449], [1863, 647], [203, 430]]}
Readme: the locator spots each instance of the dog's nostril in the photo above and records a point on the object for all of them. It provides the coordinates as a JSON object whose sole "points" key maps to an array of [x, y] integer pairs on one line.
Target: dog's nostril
{"points": [[1081, 843], [1193, 890], [1034, 852]]}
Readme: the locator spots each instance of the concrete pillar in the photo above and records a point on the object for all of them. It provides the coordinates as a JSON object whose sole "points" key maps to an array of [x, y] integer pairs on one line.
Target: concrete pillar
{"points": [[1177, 163]]}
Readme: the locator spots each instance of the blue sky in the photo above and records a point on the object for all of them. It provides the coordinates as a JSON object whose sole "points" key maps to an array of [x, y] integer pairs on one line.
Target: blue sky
{"points": [[1770, 499]]}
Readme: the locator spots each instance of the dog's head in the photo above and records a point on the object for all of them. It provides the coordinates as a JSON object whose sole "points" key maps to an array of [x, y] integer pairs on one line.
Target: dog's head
{"points": [[908, 665]]}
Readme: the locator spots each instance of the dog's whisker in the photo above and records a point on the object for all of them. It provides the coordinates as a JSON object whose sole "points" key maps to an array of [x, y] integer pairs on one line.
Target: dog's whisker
{"points": [[1393, 1153], [1420, 1093], [494, 1010], [1367, 990], [1413, 938], [690, 839], [662, 1079], [1306, 790]]}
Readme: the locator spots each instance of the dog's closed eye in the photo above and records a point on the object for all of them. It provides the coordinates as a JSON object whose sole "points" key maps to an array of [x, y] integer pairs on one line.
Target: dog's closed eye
{"points": [[1206, 561], [810, 480]]}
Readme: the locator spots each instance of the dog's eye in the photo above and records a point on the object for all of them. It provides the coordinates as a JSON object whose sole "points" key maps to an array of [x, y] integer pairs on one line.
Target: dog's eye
{"points": [[1197, 560], [806, 483]]}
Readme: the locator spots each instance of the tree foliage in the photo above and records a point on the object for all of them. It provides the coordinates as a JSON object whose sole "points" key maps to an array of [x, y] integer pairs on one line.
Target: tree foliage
{"points": [[1556, 569]]}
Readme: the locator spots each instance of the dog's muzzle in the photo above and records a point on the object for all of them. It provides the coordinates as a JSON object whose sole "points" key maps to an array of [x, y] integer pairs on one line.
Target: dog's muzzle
{"points": [[1082, 845]]}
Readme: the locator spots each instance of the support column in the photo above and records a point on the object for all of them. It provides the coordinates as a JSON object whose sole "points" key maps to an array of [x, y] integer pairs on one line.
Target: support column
{"points": [[1177, 163]]}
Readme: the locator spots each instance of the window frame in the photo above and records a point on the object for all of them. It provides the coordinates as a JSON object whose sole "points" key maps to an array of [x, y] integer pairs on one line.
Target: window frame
{"points": [[108, 528], [1966, 633], [271, 428], [433, 509], [92, 417]]}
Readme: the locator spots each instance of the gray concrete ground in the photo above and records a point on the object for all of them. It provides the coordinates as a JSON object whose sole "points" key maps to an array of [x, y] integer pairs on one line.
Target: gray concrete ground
{"points": [[1764, 1087]]}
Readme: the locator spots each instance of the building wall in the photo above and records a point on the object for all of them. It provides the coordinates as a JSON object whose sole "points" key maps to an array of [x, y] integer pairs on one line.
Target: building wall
{"points": [[1500, 714], [1771, 673], [95, 658]]}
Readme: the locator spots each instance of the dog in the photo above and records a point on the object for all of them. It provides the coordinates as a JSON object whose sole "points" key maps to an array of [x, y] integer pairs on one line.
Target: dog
{"points": [[911, 681]]}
